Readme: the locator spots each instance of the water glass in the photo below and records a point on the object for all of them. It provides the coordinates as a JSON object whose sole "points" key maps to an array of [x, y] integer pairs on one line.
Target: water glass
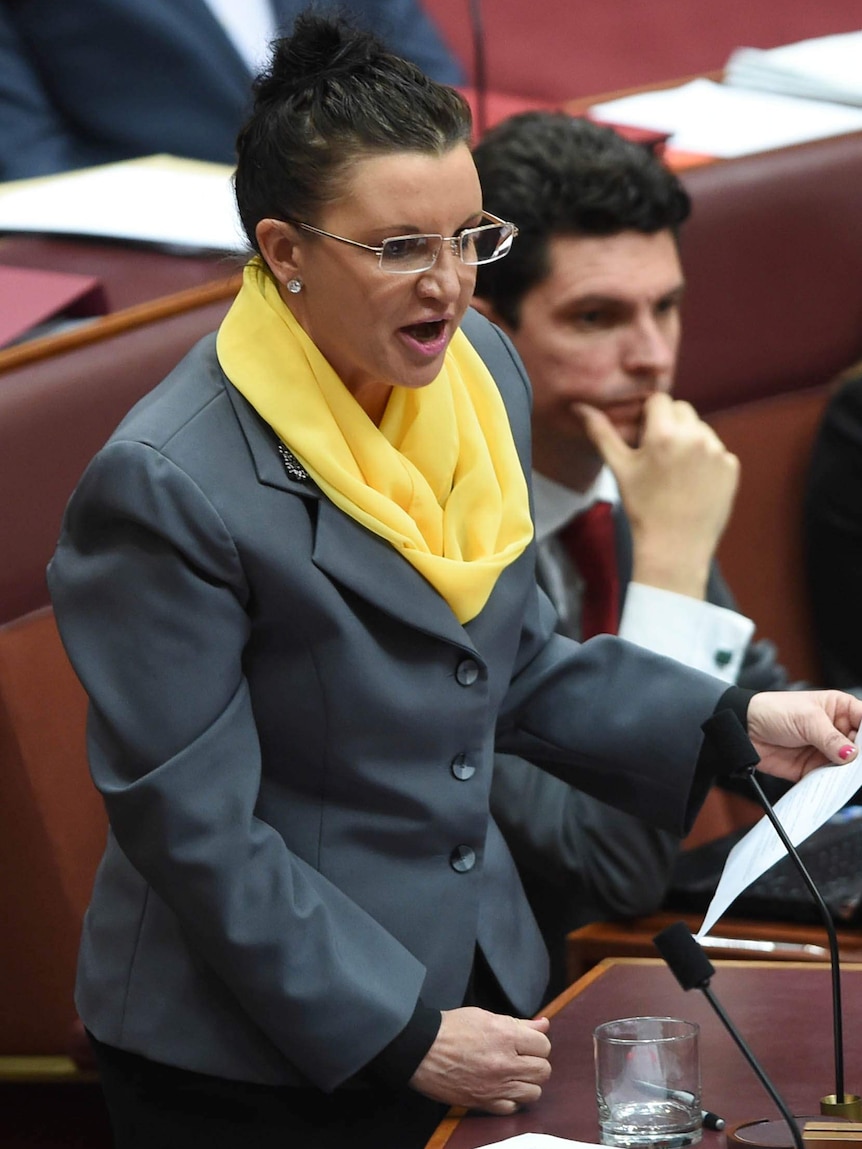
{"points": [[648, 1082]]}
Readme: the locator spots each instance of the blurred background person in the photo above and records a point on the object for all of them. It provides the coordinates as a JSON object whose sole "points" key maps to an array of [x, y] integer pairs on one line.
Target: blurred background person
{"points": [[90, 83], [833, 534]]}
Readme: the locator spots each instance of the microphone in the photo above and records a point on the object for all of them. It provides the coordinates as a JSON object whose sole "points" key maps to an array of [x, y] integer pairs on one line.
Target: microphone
{"points": [[480, 79], [693, 970], [729, 739]]}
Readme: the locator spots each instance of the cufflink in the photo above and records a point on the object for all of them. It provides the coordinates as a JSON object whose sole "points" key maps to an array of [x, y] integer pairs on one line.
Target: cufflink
{"points": [[723, 657]]}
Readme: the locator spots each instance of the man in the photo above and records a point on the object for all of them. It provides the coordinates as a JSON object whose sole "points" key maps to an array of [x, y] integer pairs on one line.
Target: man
{"points": [[590, 295], [84, 84]]}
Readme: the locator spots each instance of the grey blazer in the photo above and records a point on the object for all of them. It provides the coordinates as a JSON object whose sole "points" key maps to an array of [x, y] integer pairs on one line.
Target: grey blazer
{"points": [[294, 738]]}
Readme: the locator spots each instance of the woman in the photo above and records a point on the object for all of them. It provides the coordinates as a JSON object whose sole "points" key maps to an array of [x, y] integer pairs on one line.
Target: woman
{"points": [[298, 586]]}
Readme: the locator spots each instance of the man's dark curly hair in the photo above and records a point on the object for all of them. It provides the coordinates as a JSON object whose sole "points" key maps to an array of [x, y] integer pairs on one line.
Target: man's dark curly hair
{"points": [[553, 174]]}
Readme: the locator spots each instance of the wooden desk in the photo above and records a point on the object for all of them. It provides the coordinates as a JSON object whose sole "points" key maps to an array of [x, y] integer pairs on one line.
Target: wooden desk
{"points": [[142, 285], [633, 938], [784, 1011], [130, 274]]}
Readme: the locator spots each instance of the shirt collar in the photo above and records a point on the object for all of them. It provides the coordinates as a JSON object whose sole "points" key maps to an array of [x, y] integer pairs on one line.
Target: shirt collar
{"points": [[556, 505]]}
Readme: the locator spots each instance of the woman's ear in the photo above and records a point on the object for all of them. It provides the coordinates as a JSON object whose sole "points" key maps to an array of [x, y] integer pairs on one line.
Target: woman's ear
{"points": [[278, 246]]}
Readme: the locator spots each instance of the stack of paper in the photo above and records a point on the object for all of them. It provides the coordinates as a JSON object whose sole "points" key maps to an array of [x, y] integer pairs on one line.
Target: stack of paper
{"points": [[185, 204], [722, 121], [538, 1141], [827, 68]]}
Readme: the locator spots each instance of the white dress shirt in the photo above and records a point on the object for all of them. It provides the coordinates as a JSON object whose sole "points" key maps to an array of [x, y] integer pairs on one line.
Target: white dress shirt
{"points": [[250, 26], [700, 634]]}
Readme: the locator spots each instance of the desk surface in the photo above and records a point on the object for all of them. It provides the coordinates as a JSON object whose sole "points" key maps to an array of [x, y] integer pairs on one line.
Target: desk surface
{"points": [[130, 274], [784, 1012], [633, 937]]}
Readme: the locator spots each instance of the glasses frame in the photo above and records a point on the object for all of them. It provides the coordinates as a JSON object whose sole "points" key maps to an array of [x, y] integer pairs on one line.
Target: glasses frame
{"points": [[456, 243]]}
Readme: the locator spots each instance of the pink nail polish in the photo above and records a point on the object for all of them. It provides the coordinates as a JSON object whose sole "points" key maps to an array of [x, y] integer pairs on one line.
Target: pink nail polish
{"points": [[845, 752]]}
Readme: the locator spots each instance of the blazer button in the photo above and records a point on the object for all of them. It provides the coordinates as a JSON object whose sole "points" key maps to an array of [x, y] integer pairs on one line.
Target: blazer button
{"points": [[462, 859], [467, 672], [461, 768]]}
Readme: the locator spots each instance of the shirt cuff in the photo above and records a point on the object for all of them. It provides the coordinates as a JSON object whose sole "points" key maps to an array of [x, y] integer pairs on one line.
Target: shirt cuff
{"points": [[700, 634], [399, 1060]]}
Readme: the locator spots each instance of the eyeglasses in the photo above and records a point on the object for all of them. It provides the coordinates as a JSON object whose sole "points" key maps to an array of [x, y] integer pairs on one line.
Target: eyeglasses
{"points": [[406, 254]]}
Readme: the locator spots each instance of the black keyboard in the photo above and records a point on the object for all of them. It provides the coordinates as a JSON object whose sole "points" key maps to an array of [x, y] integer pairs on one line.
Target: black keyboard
{"points": [[832, 855]]}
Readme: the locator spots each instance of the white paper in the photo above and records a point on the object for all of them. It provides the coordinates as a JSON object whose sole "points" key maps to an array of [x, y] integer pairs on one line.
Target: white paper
{"points": [[826, 68], [719, 120], [158, 199], [804, 808], [535, 1141]]}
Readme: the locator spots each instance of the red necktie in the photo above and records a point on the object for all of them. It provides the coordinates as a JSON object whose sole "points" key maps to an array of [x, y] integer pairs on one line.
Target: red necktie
{"points": [[589, 540]]}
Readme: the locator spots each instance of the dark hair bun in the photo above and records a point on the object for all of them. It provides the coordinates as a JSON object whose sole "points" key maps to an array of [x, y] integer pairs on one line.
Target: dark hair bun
{"points": [[320, 49]]}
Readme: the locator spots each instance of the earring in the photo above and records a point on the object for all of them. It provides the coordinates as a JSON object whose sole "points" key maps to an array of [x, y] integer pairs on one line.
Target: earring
{"points": [[294, 286]]}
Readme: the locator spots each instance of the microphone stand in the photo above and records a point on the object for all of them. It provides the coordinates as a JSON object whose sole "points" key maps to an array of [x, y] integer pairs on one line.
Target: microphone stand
{"points": [[839, 1103], [480, 79], [729, 738], [693, 970]]}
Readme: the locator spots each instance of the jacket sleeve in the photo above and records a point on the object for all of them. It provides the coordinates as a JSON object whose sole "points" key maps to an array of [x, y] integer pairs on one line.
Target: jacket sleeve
{"points": [[35, 139], [614, 863], [622, 722]]}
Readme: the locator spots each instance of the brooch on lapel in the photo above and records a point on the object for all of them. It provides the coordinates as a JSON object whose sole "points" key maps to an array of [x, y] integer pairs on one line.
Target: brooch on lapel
{"points": [[292, 465]]}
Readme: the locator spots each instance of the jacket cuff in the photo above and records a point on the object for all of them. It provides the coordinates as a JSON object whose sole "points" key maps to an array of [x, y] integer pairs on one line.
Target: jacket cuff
{"points": [[710, 762], [399, 1060]]}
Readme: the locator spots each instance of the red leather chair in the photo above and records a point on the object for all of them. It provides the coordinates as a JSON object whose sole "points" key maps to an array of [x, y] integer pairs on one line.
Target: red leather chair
{"points": [[52, 833], [773, 262], [56, 412]]}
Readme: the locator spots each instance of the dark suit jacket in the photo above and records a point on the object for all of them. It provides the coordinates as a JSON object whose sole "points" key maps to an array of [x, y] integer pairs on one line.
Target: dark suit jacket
{"points": [[581, 860], [91, 82], [294, 738], [833, 537]]}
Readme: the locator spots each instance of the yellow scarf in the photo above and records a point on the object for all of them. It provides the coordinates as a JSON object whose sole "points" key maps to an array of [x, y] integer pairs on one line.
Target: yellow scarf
{"points": [[439, 479]]}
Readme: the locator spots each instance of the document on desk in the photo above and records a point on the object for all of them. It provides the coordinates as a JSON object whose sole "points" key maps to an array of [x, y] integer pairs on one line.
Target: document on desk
{"points": [[722, 121], [536, 1141], [29, 296], [804, 808], [824, 68], [183, 204]]}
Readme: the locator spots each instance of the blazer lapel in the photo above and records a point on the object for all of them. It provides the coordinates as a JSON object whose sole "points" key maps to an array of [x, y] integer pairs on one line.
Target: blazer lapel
{"points": [[370, 566], [346, 551]]}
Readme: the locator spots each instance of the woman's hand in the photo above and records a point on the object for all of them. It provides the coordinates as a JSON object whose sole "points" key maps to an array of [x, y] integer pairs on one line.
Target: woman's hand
{"points": [[486, 1061], [796, 731]]}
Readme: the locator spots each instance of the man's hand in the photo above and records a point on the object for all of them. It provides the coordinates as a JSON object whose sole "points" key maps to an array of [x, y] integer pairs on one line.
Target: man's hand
{"points": [[677, 488], [796, 731], [486, 1061]]}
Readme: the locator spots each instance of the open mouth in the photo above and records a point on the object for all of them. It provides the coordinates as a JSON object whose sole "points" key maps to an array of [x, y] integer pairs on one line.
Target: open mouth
{"points": [[425, 332]]}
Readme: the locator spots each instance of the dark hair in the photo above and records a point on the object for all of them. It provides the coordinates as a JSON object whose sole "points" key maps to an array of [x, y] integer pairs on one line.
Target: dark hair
{"points": [[553, 174], [333, 94]]}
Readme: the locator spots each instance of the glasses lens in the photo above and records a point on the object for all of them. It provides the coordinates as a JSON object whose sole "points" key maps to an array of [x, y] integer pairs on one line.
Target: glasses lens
{"points": [[409, 253], [485, 244]]}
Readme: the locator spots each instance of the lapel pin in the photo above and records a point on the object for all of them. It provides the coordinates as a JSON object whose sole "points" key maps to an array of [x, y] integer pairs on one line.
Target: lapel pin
{"points": [[292, 465]]}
